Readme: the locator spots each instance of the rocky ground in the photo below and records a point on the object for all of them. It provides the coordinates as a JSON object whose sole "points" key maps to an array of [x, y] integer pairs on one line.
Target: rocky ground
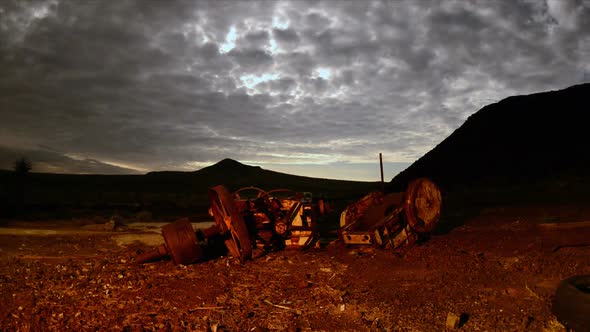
{"points": [[497, 271]]}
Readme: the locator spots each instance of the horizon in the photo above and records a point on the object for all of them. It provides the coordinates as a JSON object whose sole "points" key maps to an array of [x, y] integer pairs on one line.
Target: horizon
{"points": [[346, 172]]}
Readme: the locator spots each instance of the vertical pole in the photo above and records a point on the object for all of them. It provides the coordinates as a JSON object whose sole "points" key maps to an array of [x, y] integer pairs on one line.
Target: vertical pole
{"points": [[381, 165]]}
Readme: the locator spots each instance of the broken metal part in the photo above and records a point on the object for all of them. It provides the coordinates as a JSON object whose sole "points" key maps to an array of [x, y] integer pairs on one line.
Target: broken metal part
{"points": [[422, 205], [356, 237], [353, 216], [180, 243], [231, 223], [374, 219], [152, 255], [301, 239], [392, 239]]}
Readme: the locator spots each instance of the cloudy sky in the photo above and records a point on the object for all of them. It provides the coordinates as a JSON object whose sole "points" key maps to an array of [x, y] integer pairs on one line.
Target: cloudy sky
{"points": [[314, 88]]}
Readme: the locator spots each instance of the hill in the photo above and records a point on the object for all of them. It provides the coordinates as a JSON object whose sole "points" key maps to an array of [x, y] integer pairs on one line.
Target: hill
{"points": [[160, 193], [234, 175], [523, 148]]}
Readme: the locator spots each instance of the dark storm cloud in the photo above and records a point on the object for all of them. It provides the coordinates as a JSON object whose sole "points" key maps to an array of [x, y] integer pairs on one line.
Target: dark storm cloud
{"points": [[256, 39], [251, 59], [286, 36], [283, 84], [180, 84]]}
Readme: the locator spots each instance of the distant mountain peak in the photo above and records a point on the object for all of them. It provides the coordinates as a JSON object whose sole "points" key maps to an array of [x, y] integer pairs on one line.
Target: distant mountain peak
{"points": [[227, 162], [228, 166]]}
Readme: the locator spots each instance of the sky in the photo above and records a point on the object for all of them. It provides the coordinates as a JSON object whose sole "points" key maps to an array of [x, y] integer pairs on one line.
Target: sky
{"points": [[313, 88]]}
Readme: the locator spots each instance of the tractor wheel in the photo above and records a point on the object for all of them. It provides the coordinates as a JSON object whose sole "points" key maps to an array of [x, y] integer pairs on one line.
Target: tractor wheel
{"points": [[181, 242], [231, 223], [422, 205]]}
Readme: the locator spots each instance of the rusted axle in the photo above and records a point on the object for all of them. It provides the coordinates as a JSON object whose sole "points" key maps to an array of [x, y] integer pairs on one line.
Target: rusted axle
{"points": [[185, 247], [180, 243]]}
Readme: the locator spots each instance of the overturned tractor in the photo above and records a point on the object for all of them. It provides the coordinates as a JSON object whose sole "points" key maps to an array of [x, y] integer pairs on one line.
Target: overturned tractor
{"points": [[251, 218], [392, 220], [244, 220]]}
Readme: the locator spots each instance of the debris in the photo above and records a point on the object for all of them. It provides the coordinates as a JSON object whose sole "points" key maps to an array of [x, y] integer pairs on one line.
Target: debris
{"points": [[303, 283], [205, 308], [452, 321], [531, 292], [277, 305]]}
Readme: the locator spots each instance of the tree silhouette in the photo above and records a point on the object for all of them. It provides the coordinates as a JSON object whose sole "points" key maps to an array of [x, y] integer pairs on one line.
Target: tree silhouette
{"points": [[23, 165]]}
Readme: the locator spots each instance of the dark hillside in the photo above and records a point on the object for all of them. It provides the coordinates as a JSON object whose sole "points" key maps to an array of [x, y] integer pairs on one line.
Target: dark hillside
{"points": [[537, 144], [160, 193]]}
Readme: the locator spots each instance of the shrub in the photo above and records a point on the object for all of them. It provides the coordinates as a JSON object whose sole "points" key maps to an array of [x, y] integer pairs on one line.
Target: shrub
{"points": [[23, 165]]}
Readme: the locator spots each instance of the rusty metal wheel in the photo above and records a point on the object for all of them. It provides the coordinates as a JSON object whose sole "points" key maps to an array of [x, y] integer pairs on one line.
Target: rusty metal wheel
{"points": [[231, 223], [248, 193], [181, 242], [422, 205]]}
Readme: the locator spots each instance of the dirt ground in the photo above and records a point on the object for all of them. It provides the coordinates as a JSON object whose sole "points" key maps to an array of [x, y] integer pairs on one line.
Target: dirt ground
{"points": [[496, 272]]}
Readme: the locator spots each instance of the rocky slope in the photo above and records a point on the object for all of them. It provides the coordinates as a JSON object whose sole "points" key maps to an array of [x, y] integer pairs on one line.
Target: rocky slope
{"points": [[537, 141]]}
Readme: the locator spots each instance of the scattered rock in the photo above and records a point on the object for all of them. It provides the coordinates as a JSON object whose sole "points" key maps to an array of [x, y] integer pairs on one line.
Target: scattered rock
{"points": [[110, 225], [453, 321]]}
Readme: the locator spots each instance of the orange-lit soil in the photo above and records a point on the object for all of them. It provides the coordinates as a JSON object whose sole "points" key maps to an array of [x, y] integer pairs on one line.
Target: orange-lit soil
{"points": [[497, 272]]}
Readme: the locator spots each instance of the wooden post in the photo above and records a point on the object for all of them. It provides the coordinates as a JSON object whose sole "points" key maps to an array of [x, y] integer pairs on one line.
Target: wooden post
{"points": [[381, 165]]}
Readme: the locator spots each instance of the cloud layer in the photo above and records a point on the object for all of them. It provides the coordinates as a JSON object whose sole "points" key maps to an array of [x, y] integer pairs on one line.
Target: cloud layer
{"points": [[180, 85]]}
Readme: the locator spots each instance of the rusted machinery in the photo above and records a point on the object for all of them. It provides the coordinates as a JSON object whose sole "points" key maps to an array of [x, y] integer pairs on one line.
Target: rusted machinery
{"points": [[392, 220], [280, 218], [247, 218]]}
